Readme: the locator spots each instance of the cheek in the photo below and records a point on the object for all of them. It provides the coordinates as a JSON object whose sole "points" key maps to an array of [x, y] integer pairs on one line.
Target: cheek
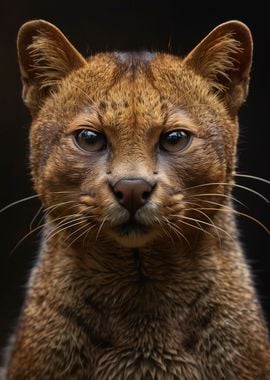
{"points": [[194, 168], [66, 172]]}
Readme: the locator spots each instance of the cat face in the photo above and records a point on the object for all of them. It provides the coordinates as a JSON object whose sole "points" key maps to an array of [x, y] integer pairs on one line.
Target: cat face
{"points": [[131, 147]]}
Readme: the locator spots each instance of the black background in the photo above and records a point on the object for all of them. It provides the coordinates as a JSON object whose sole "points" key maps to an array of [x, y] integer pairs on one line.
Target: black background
{"points": [[124, 25]]}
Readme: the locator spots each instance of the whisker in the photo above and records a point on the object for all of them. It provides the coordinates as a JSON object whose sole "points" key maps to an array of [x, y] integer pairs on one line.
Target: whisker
{"points": [[48, 213], [176, 230], [69, 224], [217, 204], [18, 202], [241, 214], [197, 209], [87, 233], [54, 206], [78, 237], [180, 217], [203, 222], [100, 227], [25, 237], [216, 195], [163, 229], [252, 177], [49, 210], [31, 232], [39, 228], [63, 221], [68, 219], [212, 223], [73, 233], [38, 195], [65, 192], [35, 217], [231, 185]]}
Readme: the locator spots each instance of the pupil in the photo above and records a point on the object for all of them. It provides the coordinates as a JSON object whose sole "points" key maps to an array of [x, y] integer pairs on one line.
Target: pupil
{"points": [[174, 138], [89, 137]]}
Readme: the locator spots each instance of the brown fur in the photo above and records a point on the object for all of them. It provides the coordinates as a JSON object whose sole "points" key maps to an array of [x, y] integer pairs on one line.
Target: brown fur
{"points": [[177, 301]]}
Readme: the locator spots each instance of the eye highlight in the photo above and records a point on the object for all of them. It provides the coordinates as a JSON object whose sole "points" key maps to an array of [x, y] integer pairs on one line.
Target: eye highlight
{"points": [[90, 141], [175, 141]]}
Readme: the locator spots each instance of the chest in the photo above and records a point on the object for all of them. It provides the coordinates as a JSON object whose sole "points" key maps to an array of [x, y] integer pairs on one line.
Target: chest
{"points": [[145, 349], [127, 364]]}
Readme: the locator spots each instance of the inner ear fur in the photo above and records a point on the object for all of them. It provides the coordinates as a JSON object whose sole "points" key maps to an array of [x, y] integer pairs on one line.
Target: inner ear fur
{"points": [[224, 59], [45, 57]]}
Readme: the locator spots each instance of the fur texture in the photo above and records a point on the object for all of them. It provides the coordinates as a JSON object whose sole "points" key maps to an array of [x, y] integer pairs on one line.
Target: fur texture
{"points": [[106, 300]]}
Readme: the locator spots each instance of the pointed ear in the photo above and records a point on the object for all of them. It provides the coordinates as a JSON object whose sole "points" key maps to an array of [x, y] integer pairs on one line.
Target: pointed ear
{"points": [[224, 58], [45, 57]]}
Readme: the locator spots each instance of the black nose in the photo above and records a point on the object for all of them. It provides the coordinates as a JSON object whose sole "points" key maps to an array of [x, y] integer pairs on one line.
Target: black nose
{"points": [[132, 193]]}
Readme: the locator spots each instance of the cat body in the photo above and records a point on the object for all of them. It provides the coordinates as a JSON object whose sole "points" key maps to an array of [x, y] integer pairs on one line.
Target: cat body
{"points": [[140, 273]]}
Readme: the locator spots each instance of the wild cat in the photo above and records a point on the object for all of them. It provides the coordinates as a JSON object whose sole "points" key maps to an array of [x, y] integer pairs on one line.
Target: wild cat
{"points": [[140, 273]]}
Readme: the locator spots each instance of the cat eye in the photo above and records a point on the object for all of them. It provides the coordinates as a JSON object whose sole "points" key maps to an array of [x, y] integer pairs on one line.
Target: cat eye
{"points": [[175, 141], [90, 141]]}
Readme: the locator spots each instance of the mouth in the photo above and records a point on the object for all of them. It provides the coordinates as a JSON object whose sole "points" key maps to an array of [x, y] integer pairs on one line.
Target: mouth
{"points": [[132, 233], [132, 227]]}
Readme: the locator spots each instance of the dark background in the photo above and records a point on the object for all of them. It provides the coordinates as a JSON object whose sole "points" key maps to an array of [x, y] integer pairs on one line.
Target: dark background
{"points": [[123, 25]]}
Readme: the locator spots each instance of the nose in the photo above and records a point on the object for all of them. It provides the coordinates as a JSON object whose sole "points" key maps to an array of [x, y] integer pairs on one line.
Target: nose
{"points": [[132, 193]]}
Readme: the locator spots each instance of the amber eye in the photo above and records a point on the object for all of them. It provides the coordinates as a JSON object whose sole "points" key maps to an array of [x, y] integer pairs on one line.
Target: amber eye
{"points": [[175, 141], [90, 141]]}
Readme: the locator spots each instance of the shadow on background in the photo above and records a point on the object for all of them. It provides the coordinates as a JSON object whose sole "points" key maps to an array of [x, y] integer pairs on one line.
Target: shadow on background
{"points": [[122, 25]]}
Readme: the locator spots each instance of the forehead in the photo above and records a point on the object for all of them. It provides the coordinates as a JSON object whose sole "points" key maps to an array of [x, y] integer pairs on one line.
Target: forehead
{"points": [[134, 87], [126, 84], [129, 89]]}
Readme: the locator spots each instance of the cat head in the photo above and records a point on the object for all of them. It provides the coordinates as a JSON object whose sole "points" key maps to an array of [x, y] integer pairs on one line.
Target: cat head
{"points": [[126, 145]]}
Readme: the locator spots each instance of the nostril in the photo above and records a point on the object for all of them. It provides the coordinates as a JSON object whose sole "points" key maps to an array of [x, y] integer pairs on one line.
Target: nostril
{"points": [[119, 195], [146, 195]]}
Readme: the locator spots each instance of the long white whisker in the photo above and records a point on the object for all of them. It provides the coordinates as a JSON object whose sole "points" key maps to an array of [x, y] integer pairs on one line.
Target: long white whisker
{"points": [[32, 231], [203, 222], [25, 237], [180, 217], [100, 227], [231, 185], [48, 213], [65, 221], [68, 219], [68, 225], [73, 233], [18, 202], [163, 229], [217, 204], [238, 213], [252, 177], [217, 195], [67, 192], [54, 206], [78, 237], [35, 217], [86, 234], [212, 223], [176, 230]]}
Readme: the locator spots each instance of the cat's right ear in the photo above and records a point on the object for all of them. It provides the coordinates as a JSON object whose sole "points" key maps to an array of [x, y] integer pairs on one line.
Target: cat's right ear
{"points": [[45, 57]]}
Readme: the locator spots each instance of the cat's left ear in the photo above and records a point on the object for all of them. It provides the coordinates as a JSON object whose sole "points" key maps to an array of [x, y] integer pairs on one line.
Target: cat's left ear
{"points": [[224, 59]]}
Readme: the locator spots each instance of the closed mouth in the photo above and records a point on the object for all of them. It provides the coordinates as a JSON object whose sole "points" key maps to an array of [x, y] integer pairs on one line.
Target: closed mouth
{"points": [[131, 227]]}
